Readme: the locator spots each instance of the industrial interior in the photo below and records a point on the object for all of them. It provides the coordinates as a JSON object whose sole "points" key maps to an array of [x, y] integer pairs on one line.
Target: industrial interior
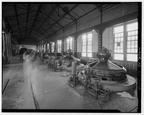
{"points": [[59, 56]]}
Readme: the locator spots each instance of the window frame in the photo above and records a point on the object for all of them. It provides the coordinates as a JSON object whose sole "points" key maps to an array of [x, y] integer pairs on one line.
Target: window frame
{"points": [[69, 44], [125, 37], [59, 46], [87, 45], [130, 22], [121, 24]]}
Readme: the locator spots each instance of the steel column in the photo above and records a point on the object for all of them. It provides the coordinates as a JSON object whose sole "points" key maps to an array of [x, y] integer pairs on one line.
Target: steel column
{"points": [[100, 31], [63, 41], [75, 41]]}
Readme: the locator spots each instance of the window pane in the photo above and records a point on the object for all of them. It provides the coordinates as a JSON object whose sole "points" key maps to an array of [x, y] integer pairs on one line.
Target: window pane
{"points": [[132, 50], [84, 44], [84, 54], [118, 29], [129, 33], [84, 36], [136, 43], [118, 56], [84, 40], [122, 39], [90, 35], [128, 50], [136, 32], [132, 26], [84, 47], [118, 45], [132, 45], [84, 51], [133, 32], [131, 57], [89, 54], [121, 34], [89, 43], [71, 47], [70, 40], [133, 38], [89, 48], [89, 39]]}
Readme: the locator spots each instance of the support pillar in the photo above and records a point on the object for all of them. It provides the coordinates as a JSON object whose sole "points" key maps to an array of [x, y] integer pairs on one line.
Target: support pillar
{"points": [[3, 45], [50, 46], [100, 30], [55, 46], [73, 78], [6, 58], [45, 47], [75, 41], [63, 42], [10, 46], [8, 49], [41, 47], [62, 45], [75, 45], [99, 40]]}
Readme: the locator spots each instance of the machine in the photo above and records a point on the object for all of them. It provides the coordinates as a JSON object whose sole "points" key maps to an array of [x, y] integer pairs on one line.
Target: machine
{"points": [[54, 61], [102, 76]]}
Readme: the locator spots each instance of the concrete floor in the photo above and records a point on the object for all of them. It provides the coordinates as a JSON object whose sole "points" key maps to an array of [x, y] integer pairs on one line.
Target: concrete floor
{"points": [[51, 91]]}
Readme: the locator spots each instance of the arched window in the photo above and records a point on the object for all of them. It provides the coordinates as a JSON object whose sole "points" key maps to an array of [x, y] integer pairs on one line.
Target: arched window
{"points": [[87, 44], [69, 43], [47, 46], [59, 43], [52, 47]]}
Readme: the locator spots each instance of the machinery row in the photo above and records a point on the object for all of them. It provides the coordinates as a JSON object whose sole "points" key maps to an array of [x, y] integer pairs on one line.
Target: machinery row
{"points": [[101, 77]]}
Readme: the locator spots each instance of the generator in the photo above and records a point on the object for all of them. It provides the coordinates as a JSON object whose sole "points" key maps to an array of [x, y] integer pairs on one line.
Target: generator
{"points": [[102, 76]]}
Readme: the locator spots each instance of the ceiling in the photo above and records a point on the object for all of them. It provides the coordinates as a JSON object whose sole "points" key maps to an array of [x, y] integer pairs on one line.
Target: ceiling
{"points": [[36, 21]]}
